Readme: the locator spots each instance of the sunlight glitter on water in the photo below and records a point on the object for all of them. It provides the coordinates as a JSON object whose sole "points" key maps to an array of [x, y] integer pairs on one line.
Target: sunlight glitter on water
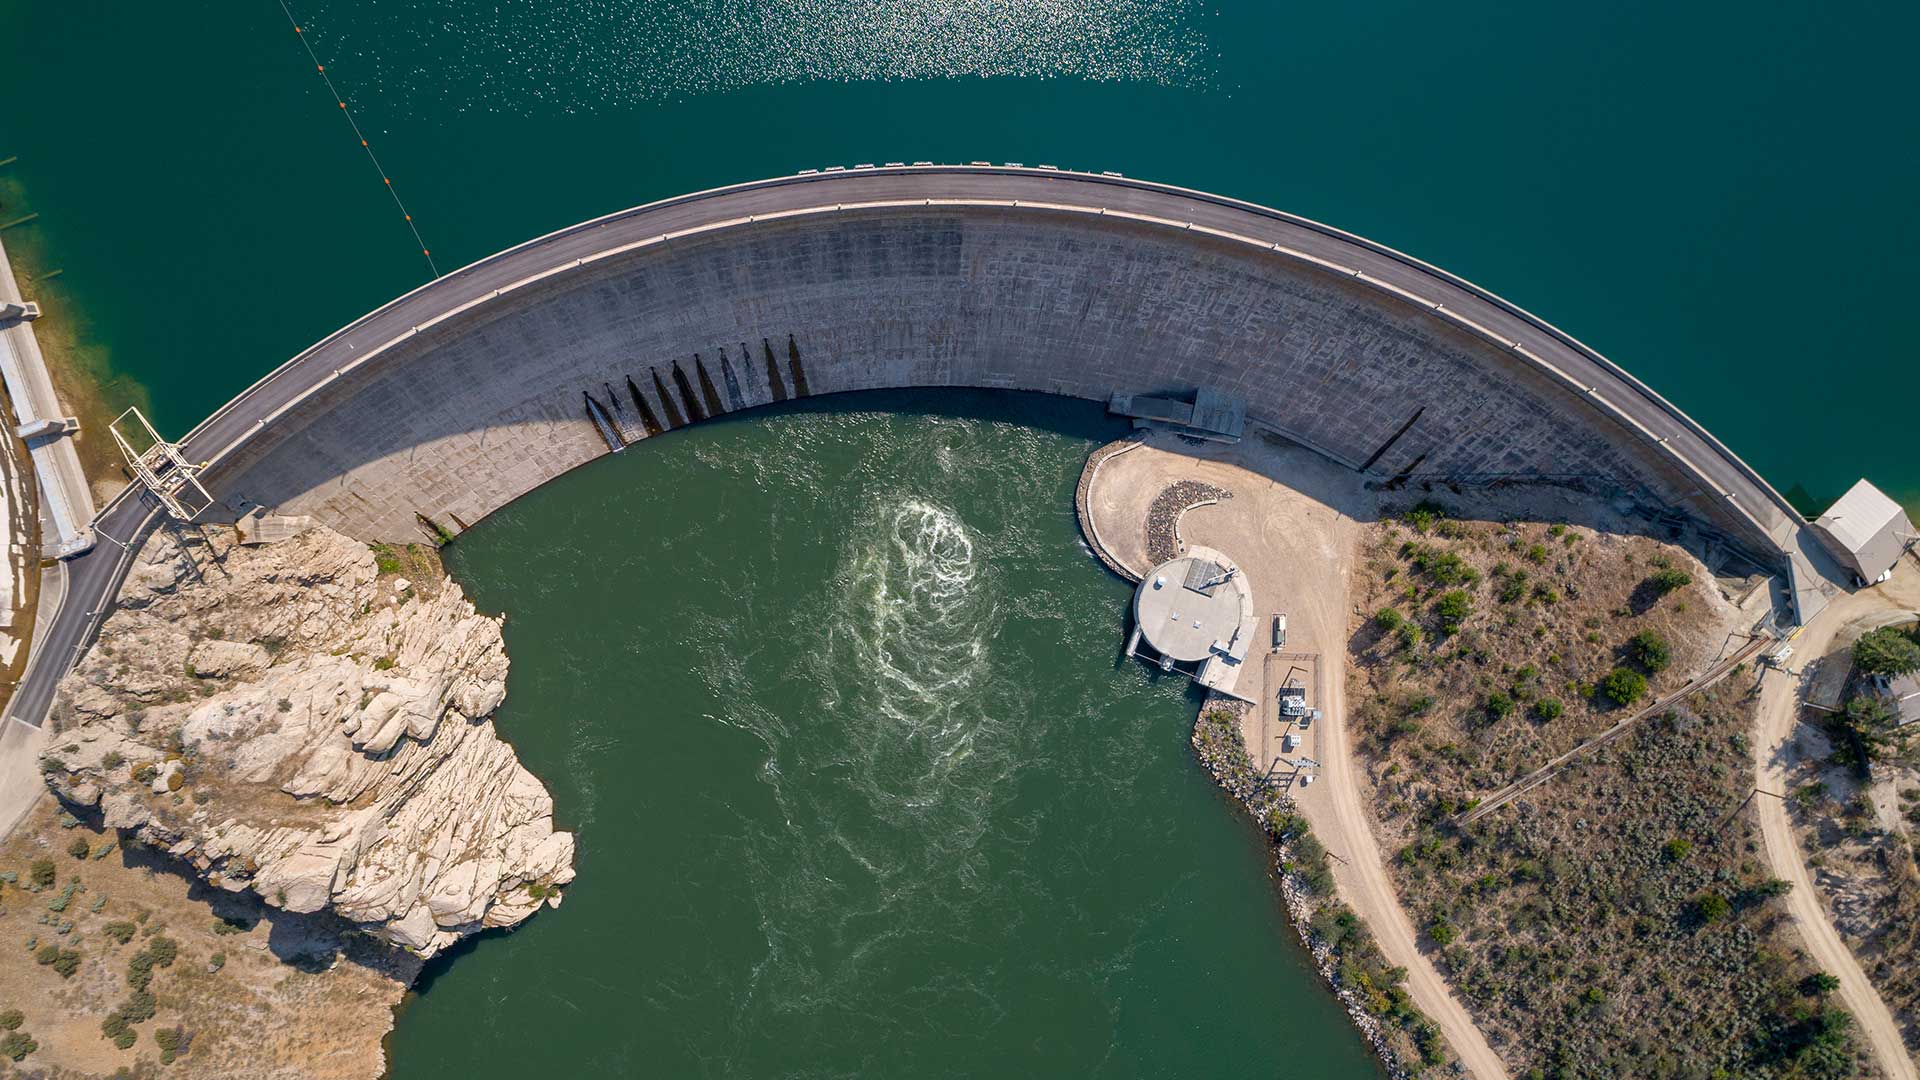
{"points": [[517, 58]]}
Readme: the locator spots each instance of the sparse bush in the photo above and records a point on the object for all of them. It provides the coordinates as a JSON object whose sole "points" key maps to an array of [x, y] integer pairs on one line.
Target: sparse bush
{"points": [[1712, 907], [1651, 651], [1441, 566], [1499, 705], [171, 1041], [64, 961], [1548, 709], [1819, 984], [1453, 607], [12, 1019], [79, 848], [144, 772], [113, 760], [119, 932], [1387, 620], [41, 873], [16, 1045], [1410, 635], [1423, 515], [1623, 687], [1667, 579], [216, 961]]}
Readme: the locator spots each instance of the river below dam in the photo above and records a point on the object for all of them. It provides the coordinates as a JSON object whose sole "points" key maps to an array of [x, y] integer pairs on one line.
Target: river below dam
{"points": [[833, 698]]}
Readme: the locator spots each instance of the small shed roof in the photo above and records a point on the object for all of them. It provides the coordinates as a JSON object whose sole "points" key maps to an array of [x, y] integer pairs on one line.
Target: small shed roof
{"points": [[1866, 529]]}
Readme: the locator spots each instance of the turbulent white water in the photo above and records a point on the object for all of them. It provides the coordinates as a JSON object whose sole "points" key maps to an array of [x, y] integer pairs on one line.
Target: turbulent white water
{"points": [[521, 58]]}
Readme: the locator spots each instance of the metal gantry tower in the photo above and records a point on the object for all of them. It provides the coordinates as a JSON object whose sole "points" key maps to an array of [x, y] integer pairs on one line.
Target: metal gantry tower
{"points": [[162, 468]]}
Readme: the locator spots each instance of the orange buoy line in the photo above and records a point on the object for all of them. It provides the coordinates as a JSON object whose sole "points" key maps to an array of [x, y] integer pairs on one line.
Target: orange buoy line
{"points": [[364, 145]]}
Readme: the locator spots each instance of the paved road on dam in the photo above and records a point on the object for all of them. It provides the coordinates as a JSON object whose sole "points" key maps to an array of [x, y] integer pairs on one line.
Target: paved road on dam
{"points": [[1642, 414]]}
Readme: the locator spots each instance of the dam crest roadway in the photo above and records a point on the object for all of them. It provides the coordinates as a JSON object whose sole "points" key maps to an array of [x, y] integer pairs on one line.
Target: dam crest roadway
{"points": [[424, 416]]}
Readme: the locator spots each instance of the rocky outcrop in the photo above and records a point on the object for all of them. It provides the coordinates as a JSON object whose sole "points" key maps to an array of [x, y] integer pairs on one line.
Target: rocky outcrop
{"points": [[292, 720]]}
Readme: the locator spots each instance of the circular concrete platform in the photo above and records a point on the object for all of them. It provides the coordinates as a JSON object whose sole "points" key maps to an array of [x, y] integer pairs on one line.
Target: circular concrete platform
{"points": [[1188, 604]]}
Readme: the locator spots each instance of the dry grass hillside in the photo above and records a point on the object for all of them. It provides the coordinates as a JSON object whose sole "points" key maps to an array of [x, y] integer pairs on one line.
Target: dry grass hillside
{"points": [[1617, 921], [118, 963]]}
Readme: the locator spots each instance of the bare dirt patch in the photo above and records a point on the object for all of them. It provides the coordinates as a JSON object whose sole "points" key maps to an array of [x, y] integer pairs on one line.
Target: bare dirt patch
{"points": [[244, 990]]}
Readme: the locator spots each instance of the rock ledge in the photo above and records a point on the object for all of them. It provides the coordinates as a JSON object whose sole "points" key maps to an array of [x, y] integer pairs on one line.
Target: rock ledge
{"points": [[291, 720]]}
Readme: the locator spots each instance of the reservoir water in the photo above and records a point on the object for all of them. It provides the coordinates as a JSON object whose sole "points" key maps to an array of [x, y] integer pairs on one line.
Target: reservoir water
{"points": [[831, 698]]}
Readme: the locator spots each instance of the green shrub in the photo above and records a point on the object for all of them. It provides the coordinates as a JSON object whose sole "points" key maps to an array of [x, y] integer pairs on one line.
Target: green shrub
{"points": [[17, 1045], [1676, 849], [64, 961], [138, 1007], [1453, 607], [1387, 620], [1548, 708], [1667, 579], [1536, 553], [1712, 907], [79, 848], [12, 1019], [120, 932], [1441, 566], [41, 873], [216, 961], [163, 950], [1623, 687], [1499, 705], [1819, 984], [1410, 635], [119, 1028], [1442, 932], [1886, 651], [1650, 650], [170, 1040], [1423, 515]]}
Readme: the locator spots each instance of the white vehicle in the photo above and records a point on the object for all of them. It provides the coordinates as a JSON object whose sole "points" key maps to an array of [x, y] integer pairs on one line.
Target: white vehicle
{"points": [[1280, 630]]}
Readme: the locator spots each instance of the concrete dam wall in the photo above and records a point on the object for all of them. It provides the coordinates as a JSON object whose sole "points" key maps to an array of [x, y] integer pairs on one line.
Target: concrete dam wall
{"points": [[479, 387]]}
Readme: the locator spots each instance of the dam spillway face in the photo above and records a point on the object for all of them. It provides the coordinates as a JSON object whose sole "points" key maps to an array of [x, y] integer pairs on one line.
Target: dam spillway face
{"points": [[459, 397], [674, 418], [774, 385], [647, 419], [732, 381], [688, 401]]}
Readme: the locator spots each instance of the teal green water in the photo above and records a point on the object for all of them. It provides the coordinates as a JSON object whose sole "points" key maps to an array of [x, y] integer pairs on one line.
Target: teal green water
{"points": [[797, 860], [1716, 195], [861, 789]]}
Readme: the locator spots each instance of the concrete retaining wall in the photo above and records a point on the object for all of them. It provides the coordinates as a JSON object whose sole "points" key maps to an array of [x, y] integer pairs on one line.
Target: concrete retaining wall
{"points": [[1332, 341]]}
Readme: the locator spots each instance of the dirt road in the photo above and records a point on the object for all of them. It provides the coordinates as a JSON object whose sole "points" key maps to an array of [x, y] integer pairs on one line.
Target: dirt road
{"points": [[1296, 542], [1779, 711]]}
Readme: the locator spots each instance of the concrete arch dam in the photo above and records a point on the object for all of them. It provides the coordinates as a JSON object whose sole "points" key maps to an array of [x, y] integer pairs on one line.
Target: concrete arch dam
{"points": [[461, 396]]}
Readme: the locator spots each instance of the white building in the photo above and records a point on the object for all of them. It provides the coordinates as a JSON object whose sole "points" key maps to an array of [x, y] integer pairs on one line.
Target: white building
{"points": [[1866, 531]]}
